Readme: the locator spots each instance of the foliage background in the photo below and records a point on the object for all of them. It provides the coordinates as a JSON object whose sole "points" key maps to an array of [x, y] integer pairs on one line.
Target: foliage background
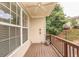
{"points": [[55, 21]]}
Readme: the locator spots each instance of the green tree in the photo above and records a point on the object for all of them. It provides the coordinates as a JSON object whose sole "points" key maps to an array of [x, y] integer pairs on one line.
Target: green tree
{"points": [[74, 22], [55, 21]]}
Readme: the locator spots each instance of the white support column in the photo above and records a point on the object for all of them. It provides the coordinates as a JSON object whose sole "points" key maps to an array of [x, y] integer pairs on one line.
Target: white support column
{"points": [[21, 28], [28, 25]]}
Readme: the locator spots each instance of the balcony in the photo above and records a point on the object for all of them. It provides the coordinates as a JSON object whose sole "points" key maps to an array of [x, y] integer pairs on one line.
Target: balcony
{"points": [[22, 35], [58, 48]]}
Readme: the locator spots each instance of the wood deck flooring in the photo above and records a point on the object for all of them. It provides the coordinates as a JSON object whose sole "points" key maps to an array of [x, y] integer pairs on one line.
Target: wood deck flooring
{"points": [[40, 50]]}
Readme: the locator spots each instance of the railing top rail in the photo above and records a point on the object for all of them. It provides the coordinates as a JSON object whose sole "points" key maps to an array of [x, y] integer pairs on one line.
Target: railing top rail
{"points": [[66, 41]]}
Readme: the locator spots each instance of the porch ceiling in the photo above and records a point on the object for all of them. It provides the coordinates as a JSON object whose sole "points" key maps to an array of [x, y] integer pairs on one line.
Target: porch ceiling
{"points": [[39, 9]]}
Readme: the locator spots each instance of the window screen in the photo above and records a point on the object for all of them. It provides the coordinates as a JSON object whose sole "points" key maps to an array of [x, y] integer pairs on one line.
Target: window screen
{"points": [[25, 35], [24, 20], [4, 33], [12, 38], [17, 36], [4, 48], [4, 40]]}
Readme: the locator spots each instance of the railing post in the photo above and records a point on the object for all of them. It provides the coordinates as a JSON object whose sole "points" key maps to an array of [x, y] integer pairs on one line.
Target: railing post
{"points": [[77, 51], [65, 49], [50, 39]]}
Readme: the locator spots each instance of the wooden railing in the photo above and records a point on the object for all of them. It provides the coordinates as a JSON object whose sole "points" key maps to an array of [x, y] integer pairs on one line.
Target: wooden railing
{"points": [[64, 47]]}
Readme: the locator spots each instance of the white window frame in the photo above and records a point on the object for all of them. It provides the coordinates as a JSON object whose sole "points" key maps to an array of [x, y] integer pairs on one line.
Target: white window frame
{"points": [[19, 26]]}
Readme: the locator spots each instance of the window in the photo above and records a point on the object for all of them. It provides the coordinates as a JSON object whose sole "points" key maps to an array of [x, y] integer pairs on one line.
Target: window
{"points": [[13, 18], [17, 36], [4, 32], [14, 38], [12, 44], [4, 40], [4, 48], [4, 14], [25, 35], [6, 4], [9, 43], [24, 20], [18, 10], [18, 15], [13, 13], [10, 28], [18, 20], [13, 7], [25, 30]]}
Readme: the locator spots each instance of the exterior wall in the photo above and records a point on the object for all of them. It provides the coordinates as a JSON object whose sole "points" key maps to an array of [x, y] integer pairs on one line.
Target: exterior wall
{"points": [[37, 30]]}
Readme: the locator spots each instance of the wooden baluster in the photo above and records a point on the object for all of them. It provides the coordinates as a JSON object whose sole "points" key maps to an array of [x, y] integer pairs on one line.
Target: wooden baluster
{"points": [[65, 49], [77, 51], [73, 51], [50, 38], [69, 51]]}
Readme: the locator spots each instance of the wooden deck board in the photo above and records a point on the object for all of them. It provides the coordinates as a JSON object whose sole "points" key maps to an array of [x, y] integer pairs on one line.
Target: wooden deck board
{"points": [[40, 50]]}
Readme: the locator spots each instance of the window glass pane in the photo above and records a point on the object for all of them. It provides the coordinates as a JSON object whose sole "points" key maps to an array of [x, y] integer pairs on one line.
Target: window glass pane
{"points": [[12, 44], [17, 37], [4, 48], [25, 35], [6, 4], [13, 6], [18, 10], [13, 18], [24, 20], [18, 15], [12, 32], [18, 42], [4, 32], [4, 14], [12, 38], [18, 20]]}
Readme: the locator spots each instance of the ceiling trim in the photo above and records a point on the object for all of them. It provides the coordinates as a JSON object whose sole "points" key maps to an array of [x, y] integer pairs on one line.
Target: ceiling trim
{"points": [[50, 3], [35, 16]]}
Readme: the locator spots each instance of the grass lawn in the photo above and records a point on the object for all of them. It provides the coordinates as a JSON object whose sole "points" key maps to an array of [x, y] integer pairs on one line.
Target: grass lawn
{"points": [[73, 35]]}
